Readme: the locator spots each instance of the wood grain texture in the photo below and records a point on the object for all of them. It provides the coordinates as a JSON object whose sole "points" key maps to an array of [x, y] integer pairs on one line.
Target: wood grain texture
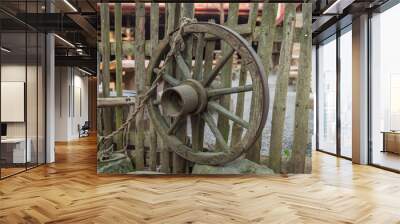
{"points": [[279, 107], [253, 154], [70, 191], [174, 15], [140, 79], [118, 71], [154, 27], [104, 76], [105, 38], [197, 124], [303, 91], [226, 71]]}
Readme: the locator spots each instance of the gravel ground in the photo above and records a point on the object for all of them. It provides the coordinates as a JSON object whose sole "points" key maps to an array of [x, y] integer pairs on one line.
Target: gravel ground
{"points": [[288, 134]]}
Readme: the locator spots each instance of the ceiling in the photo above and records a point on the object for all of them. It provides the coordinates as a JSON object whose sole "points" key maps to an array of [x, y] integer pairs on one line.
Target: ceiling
{"points": [[332, 15], [76, 22], [72, 20]]}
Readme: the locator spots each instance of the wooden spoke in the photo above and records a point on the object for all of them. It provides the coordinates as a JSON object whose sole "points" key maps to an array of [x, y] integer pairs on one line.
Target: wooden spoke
{"points": [[214, 129], [226, 91], [231, 116], [171, 80], [168, 78], [200, 44], [175, 124], [182, 66], [210, 77]]}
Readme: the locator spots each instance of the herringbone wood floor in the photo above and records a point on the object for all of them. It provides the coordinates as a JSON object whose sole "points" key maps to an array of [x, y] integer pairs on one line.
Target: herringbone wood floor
{"points": [[70, 191]]}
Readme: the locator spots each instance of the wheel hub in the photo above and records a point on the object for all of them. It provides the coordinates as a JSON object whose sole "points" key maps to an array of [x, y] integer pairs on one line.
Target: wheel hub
{"points": [[190, 97]]}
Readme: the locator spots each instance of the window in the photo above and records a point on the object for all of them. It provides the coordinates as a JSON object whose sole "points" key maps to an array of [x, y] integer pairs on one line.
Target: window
{"points": [[327, 96], [385, 89], [346, 93], [22, 76]]}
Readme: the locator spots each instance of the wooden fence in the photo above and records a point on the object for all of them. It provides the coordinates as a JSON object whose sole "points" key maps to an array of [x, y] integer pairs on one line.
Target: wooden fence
{"points": [[146, 150]]}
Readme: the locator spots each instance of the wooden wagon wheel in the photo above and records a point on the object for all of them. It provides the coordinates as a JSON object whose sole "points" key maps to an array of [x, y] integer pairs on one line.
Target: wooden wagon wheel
{"points": [[198, 99]]}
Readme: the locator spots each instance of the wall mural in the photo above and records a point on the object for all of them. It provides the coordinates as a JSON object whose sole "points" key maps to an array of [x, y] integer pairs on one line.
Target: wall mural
{"points": [[205, 88]]}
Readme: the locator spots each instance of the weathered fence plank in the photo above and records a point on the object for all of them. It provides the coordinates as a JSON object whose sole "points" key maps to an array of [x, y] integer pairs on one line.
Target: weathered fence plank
{"points": [[105, 74], [140, 82], [173, 17], [303, 88], [237, 130], [196, 121], [226, 72], [105, 38], [154, 26], [184, 72], [208, 63], [165, 154], [253, 153], [118, 70], [279, 108], [267, 34], [99, 122], [265, 47]]}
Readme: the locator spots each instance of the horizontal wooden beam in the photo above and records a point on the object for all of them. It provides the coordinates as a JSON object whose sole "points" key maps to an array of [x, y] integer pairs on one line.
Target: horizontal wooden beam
{"points": [[115, 101]]}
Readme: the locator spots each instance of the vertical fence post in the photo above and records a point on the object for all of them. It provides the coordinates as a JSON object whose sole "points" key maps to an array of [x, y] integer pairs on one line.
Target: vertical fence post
{"points": [[237, 130], [178, 163], [303, 89], [279, 108], [253, 153], [139, 81], [226, 77], [118, 70], [154, 26], [265, 46], [197, 123], [267, 35], [165, 151], [208, 63], [187, 11], [105, 74]]}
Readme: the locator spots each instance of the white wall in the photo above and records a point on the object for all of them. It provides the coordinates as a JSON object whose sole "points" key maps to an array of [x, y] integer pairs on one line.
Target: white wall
{"points": [[33, 126], [12, 73], [80, 105], [61, 103], [71, 102]]}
